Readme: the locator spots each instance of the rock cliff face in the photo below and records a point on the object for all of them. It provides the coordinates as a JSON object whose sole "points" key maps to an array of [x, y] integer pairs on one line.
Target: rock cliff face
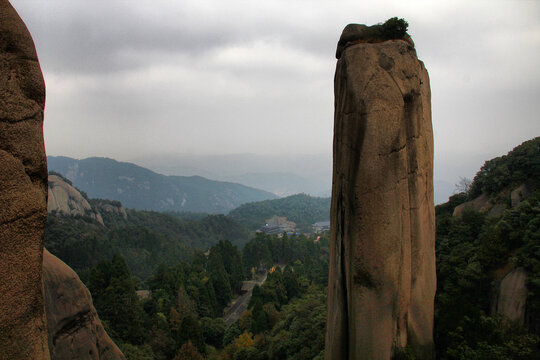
{"points": [[65, 199], [511, 298], [495, 205], [75, 331], [382, 263], [23, 194]]}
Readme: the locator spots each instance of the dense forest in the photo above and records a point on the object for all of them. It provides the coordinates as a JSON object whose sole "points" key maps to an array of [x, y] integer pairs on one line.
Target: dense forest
{"points": [[144, 239], [474, 248], [182, 319]]}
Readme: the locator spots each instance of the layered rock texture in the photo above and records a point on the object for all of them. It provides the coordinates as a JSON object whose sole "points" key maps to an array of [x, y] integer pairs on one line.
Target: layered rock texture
{"points": [[75, 331], [382, 266], [23, 194], [65, 199]]}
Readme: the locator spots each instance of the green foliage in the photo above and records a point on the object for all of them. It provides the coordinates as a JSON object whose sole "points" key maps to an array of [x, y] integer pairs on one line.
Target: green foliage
{"points": [[134, 352], [114, 296], [394, 28], [213, 331], [519, 165], [190, 330], [448, 207], [231, 333], [489, 338], [300, 335], [145, 239], [188, 352], [469, 249], [307, 257], [302, 209]]}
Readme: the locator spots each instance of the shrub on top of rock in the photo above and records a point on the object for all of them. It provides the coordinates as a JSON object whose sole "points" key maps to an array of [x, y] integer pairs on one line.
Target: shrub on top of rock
{"points": [[394, 28]]}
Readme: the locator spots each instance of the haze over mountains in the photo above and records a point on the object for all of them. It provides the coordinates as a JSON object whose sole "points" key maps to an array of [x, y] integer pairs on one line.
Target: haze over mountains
{"points": [[140, 188], [282, 175]]}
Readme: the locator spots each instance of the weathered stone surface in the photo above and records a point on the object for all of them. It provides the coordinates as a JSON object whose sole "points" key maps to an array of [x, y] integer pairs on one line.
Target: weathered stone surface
{"points": [[23, 194], [65, 199], [495, 205], [75, 331], [511, 297], [382, 263], [359, 33], [522, 192], [482, 203]]}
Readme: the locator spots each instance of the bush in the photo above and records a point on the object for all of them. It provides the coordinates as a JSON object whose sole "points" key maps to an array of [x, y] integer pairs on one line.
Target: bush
{"points": [[394, 28]]}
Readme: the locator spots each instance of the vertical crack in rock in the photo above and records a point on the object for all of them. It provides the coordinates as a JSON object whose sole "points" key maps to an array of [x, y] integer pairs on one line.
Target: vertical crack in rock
{"points": [[382, 253]]}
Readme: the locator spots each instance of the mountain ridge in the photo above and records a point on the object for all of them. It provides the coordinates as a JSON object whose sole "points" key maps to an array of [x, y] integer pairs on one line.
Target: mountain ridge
{"points": [[140, 188]]}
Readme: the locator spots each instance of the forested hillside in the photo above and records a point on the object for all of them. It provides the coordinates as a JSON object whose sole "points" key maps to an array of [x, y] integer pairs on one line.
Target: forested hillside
{"points": [[143, 189], [145, 239], [182, 317], [302, 209], [476, 250]]}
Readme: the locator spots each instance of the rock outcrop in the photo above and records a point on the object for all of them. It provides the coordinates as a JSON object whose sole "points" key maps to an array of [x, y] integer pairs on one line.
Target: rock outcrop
{"points": [[495, 205], [23, 194], [65, 199], [382, 262], [511, 298], [75, 331]]}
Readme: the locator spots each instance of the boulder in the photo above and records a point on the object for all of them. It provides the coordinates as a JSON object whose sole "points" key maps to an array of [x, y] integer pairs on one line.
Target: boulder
{"points": [[66, 200], [23, 195], [75, 331], [511, 298], [382, 255]]}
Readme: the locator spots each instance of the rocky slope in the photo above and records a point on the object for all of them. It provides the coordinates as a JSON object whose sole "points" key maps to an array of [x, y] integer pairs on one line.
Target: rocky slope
{"points": [[66, 200], [75, 331], [142, 189], [382, 263], [495, 205], [23, 180]]}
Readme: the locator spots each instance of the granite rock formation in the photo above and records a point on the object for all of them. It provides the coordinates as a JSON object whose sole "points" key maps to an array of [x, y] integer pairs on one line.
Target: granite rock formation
{"points": [[511, 297], [382, 262], [66, 200], [75, 331], [495, 205], [23, 194]]}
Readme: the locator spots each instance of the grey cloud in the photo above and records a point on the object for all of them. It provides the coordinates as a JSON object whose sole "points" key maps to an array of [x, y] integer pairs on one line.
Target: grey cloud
{"points": [[175, 76]]}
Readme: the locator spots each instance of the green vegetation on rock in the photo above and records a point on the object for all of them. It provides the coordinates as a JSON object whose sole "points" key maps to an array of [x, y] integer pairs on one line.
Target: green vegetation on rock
{"points": [[519, 165], [474, 250], [394, 28]]}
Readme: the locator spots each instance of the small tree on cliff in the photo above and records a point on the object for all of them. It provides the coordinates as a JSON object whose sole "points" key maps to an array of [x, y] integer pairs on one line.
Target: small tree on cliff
{"points": [[394, 28]]}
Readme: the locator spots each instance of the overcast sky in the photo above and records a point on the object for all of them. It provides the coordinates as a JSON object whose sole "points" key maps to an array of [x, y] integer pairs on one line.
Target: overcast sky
{"points": [[126, 78]]}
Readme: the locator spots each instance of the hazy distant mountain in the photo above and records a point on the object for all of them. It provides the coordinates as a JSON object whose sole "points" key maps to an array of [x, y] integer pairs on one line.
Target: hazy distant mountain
{"points": [[140, 188], [282, 175], [285, 184]]}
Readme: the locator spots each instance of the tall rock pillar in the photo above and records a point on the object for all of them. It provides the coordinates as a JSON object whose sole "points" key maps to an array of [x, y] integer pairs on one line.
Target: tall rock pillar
{"points": [[382, 258], [23, 192]]}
